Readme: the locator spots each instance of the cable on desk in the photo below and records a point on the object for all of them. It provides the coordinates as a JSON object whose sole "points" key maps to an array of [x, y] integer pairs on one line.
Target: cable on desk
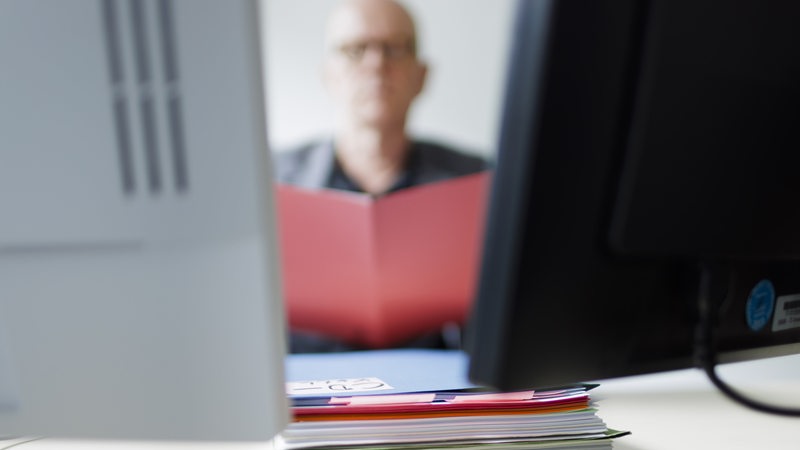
{"points": [[17, 442], [705, 355]]}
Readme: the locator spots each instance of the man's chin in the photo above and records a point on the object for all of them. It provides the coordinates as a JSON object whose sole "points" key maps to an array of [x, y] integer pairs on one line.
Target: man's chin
{"points": [[381, 121]]}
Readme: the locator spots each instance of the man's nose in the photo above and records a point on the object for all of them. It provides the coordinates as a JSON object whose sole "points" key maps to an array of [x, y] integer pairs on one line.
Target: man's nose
{"points": [[375, 55]]}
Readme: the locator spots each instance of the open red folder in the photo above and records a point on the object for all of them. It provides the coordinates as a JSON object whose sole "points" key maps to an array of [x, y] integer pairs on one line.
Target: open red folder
{"points": [[378, 272]]}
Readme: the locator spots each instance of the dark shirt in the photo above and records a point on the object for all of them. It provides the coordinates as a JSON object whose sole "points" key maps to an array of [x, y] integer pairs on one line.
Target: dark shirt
{"points": [[315, 166]]}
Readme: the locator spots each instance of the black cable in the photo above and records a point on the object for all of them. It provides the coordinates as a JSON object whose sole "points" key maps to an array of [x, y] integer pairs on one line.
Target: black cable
{"points": [[705, 353], [710, 370]]}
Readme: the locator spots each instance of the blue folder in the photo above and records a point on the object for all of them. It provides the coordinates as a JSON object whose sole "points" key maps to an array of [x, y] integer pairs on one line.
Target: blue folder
{"points": [[402, 371]]}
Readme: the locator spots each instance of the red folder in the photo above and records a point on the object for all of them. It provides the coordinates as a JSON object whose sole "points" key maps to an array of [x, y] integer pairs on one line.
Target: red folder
{"points": [[378, 272]]}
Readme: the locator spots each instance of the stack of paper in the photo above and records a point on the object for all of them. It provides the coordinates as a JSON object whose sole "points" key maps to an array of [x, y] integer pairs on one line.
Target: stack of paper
{"points": [[421, 399]]}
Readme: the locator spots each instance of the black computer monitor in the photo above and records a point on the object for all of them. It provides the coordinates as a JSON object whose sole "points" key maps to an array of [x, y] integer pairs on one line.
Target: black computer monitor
{"points": [[648, 168]]}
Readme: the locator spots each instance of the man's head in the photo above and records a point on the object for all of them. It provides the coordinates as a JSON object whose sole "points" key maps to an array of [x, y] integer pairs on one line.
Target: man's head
{"points": [[371, 68]]}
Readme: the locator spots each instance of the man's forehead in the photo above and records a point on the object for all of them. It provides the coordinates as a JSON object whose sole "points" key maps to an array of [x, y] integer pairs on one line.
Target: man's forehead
{"points": [[356, 20]]}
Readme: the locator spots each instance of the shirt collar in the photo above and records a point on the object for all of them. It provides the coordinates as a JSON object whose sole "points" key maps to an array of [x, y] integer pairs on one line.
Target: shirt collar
{"points": [[338, 179]]}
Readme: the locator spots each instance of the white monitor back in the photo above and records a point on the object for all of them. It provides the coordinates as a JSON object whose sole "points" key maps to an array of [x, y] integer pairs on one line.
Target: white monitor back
{"points": [[139, 289]]}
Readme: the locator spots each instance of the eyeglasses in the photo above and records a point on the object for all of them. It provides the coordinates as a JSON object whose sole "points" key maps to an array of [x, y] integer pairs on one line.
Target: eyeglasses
{"points": [[392, 51]]}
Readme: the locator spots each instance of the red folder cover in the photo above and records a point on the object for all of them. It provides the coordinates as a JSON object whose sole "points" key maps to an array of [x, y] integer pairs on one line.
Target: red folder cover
{"points": [[378, 272]]}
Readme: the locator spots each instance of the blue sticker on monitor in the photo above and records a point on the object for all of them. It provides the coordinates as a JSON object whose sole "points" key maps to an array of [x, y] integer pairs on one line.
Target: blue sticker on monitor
{"points": [[760, 305]]}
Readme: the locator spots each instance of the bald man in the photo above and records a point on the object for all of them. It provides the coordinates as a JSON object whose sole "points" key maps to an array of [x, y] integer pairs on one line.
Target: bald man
{"points": [[373, 74]]}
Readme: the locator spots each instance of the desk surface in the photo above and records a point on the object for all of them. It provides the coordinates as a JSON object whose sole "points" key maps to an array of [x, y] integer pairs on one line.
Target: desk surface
{"points": [[682, 409], [671, 410]]}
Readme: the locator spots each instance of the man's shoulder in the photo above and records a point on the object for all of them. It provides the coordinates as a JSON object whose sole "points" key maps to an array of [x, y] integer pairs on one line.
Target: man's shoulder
{"points": [[305, 165], [448, 160], [295, 155]]}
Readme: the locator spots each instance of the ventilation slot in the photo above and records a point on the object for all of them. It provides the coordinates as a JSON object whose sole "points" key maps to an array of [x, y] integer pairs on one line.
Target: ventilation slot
{"points": [[149, 33], [120, 102], [175, 115]]}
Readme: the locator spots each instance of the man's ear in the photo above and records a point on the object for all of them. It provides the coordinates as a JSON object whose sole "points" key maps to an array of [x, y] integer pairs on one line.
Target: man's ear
{"points": [[422, 77], [325, 77]]}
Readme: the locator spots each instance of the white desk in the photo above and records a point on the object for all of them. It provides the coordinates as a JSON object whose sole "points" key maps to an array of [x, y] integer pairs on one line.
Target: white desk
{"points": [[663, 411], [69, 444], [683, 410]]}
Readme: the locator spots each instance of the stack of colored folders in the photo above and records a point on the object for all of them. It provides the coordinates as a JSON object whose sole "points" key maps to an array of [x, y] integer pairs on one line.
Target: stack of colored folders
{"points": [[464, 417]]}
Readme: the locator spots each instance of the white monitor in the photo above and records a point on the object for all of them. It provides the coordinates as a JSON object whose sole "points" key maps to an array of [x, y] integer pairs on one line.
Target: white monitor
{"points": [[139, 289]]}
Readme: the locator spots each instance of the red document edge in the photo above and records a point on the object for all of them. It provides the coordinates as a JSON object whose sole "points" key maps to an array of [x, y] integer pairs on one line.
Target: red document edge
{"points": [[379, 272]]}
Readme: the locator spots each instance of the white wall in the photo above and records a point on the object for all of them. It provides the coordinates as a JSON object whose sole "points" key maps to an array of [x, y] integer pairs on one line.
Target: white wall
{"points": [[465, 43]]}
